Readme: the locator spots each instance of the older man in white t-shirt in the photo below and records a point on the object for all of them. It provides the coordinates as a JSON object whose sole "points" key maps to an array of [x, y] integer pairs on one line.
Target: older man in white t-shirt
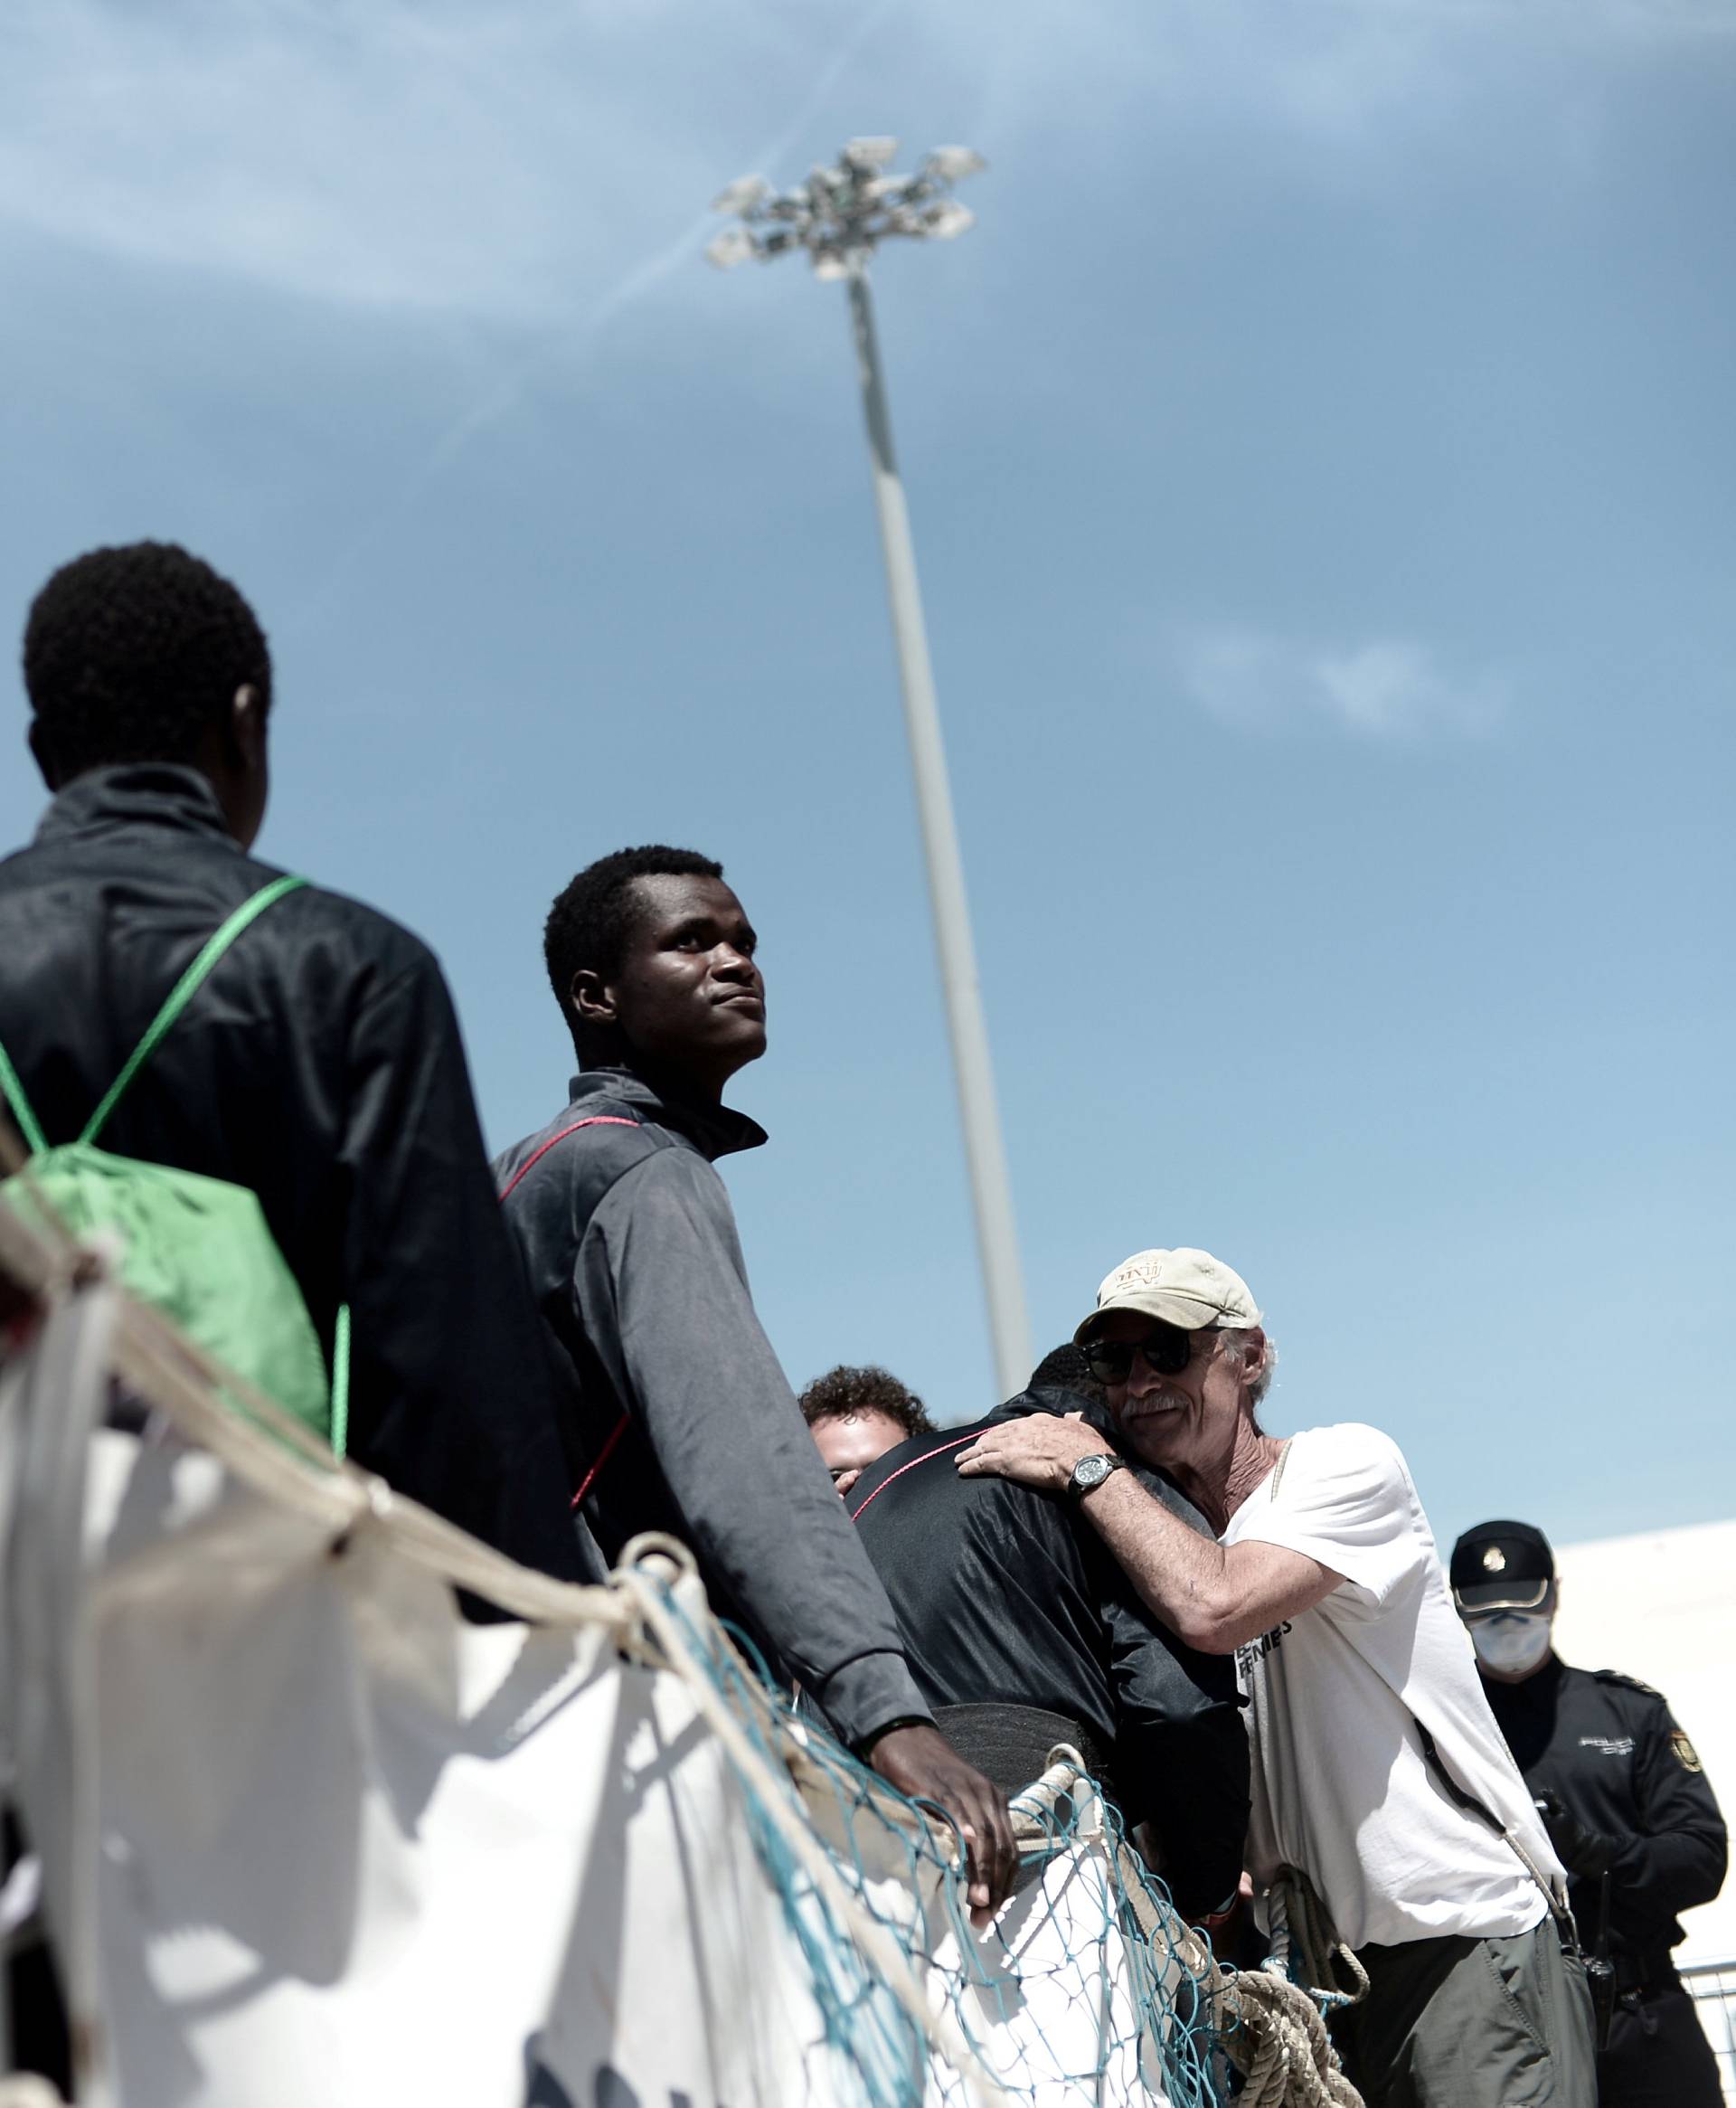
{"points": [[1379, 1771]]}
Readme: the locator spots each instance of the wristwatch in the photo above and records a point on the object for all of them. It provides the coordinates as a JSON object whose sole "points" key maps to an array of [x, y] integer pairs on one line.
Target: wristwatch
{"points": [[1090, 1473]]}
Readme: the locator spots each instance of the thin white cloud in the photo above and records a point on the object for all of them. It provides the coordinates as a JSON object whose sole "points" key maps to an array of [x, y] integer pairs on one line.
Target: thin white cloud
{"points": [[379, 153], [1386, 689], [439, 157], [1342, 76], [517, 377]]}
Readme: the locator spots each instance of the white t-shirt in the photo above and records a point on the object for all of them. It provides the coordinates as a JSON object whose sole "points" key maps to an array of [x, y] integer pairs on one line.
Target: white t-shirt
{"points": [[1341, 1786]]}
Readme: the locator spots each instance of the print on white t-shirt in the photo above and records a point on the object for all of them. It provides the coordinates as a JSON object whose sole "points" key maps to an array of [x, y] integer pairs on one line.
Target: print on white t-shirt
{"points": [[1342, 1788]]}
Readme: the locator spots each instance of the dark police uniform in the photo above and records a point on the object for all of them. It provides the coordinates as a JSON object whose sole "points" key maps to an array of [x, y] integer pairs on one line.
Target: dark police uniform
{"points": [[1632, 1797], [1622, 1793]]}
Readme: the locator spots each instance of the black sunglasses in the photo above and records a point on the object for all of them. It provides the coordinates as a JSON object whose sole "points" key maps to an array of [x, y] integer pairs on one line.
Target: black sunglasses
{"points": [[1166, 1348]]}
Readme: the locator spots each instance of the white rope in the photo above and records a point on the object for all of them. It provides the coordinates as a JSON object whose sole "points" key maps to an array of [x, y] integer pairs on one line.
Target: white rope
{"points": [[1304, 1942], [1275, 2037], [25, 2090], [1035, 1807], [275, 1455], [1278, 2040]]}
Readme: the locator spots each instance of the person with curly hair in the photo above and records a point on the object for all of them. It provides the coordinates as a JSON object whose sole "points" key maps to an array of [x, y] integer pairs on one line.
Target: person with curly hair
{"points": [[856, 1413]]}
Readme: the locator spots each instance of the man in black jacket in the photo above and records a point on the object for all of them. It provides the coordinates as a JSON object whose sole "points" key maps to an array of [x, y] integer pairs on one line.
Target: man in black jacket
{"points": [[320, 1065], [678, 1417], [1627, 1807], [1023, 1633]]}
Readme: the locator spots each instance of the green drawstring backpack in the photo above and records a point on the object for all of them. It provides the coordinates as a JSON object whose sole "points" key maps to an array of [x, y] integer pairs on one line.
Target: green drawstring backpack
{"points": [[196, 1249]]}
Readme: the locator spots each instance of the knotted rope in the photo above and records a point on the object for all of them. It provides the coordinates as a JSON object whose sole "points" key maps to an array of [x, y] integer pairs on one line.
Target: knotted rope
{"points": [[1306, 1945], [1277, 2039], [1277, 2010]]}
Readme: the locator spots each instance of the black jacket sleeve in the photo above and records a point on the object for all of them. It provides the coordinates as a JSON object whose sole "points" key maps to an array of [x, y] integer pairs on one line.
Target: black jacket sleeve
{"points": [[1182, 1757], [451, 1398], [660, 1272], [1678, 1860]]}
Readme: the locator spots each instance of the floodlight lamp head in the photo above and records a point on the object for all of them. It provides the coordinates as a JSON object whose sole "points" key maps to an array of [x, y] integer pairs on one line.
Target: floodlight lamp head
{"points": [[943, 221], [745, 194], [953, 164], [734, 245], [841, 212]]}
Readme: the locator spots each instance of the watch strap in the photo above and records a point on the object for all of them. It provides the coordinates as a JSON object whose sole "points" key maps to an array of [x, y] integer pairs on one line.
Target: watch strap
{"points": [[1111, 1464]]}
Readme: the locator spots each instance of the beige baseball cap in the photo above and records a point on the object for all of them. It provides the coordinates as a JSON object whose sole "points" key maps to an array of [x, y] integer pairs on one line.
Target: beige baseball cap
{"points": [[1184, 1287]]}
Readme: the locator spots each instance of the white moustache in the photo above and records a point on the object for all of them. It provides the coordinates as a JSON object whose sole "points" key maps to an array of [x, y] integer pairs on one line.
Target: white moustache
{"points": [[1156, 1401]]}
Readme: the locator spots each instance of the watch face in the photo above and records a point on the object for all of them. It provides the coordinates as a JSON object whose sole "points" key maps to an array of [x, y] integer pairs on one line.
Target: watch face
{"points": [[1091, 1471]]}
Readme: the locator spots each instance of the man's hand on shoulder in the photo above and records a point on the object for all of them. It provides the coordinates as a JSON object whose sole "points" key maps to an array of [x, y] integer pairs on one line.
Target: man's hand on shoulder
{"points": [[919, 1761], [1213, 1598], [1040, 1449]]}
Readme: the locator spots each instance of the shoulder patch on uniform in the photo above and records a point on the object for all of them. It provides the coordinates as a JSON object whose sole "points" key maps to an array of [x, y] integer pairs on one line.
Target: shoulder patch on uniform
{"points": [[1614, 1676], [1685, 1754]]}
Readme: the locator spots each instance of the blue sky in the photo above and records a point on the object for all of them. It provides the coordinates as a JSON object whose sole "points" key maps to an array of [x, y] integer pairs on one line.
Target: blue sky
{"points": [[1322, 465]]}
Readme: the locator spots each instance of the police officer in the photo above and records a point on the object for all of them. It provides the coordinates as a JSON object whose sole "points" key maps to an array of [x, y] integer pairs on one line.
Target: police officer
{"points": [[1626, 1806]]}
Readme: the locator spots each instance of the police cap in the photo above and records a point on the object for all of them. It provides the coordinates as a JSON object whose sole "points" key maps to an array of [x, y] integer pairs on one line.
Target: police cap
{"points": [[1502, 1566]]}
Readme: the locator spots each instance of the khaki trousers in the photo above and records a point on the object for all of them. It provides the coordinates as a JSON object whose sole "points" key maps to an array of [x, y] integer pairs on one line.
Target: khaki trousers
{"points": [[1459, 2022]]}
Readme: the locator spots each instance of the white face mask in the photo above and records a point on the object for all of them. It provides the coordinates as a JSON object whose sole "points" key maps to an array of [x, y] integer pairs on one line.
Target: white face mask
{"points": [[1511, 1641]]}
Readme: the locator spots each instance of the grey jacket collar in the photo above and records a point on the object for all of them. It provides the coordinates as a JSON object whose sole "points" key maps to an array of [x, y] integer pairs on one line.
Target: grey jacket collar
{"points": [[714, 1129]]}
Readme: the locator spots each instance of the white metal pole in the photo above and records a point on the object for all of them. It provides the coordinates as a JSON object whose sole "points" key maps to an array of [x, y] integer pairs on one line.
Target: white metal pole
{"points": [[991, 1191]]}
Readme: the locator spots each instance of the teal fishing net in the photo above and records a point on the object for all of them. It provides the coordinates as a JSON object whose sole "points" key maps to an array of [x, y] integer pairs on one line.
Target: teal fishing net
{"points": [[1086, 1988]]}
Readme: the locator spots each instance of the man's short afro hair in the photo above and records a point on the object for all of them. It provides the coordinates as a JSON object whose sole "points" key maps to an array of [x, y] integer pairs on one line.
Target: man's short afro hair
{"points": [[1065, 1368], [130, 654], [591, 922], [848, 1389]]}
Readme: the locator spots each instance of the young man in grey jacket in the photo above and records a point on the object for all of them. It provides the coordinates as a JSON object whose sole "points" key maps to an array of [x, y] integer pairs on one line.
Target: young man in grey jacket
{"points": [[677, 1414]]}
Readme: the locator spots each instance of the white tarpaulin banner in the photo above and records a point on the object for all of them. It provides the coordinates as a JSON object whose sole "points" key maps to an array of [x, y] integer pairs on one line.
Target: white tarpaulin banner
{"points": [[347, 1851]]}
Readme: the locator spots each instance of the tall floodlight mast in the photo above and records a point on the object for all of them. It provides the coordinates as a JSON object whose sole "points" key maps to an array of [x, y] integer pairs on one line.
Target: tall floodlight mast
{"points": [[840, 215]]}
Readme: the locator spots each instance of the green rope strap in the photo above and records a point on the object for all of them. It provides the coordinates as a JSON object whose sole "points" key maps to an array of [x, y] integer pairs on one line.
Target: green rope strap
{"points": [[177, 1001], [35, 1140], [340, 1383], [179, 997], [182, 993]]}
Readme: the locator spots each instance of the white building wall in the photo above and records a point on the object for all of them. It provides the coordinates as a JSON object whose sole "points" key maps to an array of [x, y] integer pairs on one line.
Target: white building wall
{"points": [[1662, 1607]]}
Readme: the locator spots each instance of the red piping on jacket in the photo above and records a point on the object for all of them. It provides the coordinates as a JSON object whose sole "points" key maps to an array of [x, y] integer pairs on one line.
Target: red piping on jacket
{"points": [[604, 1454], [856, 1513], [536, 1156]]}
